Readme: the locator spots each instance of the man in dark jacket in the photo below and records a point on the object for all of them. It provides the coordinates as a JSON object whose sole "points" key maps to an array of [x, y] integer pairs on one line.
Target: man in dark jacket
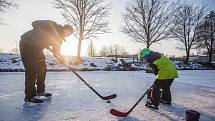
{"points": [[165, 72], [45, 34]]}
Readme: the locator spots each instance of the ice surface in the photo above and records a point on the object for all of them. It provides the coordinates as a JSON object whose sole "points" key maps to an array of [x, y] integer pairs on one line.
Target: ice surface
{"points": [[73, 101]]}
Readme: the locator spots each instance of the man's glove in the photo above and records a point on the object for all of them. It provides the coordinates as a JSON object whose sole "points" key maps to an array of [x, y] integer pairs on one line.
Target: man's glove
{"points": [[62, 61]]}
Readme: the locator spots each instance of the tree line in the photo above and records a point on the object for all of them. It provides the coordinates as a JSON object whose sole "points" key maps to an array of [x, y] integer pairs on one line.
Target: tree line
{"points": [[105, 51]]}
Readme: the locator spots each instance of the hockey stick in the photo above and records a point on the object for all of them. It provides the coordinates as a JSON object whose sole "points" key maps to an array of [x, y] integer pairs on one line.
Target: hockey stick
{"points": [[102, 97], [125, 114]]}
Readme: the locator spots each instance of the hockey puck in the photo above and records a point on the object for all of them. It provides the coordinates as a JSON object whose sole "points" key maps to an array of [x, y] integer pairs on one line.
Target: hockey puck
{"points": [[108, 101]]}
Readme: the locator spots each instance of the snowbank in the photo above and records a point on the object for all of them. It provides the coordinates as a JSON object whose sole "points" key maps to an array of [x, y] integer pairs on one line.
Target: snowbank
{"points": [[12, 62]]}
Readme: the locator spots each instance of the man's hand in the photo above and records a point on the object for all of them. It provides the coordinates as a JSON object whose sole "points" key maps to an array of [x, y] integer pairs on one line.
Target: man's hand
{"points": [[59, 57], [61, 60]]}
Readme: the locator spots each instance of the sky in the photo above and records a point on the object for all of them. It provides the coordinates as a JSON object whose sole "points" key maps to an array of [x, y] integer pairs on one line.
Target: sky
{"points": [[18, 21]]}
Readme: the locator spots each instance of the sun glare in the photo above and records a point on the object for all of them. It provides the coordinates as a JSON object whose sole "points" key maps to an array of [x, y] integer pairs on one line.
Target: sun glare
{"points": [[68, 48]]}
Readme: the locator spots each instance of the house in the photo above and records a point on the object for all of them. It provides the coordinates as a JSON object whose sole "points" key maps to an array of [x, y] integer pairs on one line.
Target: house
{"points": [[205, 59], [201, 58]]}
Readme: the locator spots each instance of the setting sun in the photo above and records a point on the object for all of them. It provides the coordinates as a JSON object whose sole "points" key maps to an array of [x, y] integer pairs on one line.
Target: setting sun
{"points": [[69, 47]]}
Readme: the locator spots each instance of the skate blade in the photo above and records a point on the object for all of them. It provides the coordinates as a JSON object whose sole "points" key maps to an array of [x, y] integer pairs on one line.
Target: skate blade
{"points": [[48, 97], [31, 105], [43, 97], [151, 107]]}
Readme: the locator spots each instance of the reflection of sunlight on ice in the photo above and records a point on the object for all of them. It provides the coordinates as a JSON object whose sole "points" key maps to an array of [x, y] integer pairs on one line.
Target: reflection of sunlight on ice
{"points": [[10, 95], [97, 85]]}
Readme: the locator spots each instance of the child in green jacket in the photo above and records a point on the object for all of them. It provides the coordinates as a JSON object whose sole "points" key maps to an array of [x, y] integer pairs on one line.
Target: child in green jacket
{"points": [[165, 72]]}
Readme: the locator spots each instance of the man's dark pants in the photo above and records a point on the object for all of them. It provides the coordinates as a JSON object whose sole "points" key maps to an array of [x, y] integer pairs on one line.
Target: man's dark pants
{"points": [[166, 94], [35, 71]]}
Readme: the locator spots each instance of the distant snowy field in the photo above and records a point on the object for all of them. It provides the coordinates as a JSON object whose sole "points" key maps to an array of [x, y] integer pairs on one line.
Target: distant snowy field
{"points": [[73, 101]]}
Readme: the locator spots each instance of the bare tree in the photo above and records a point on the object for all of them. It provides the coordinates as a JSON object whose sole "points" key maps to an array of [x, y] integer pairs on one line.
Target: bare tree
{"points": [[187, 19], [116, 49], [1, 49], [104, 51], [5, 4], [111, 50], [91, 49], [123, 51], [88, 17], [206, 34], [15, 50], [147, 21]]}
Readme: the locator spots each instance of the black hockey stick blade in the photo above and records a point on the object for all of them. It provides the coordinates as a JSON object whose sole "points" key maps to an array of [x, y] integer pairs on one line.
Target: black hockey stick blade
{"points": [[118, 113], [109, 97]]}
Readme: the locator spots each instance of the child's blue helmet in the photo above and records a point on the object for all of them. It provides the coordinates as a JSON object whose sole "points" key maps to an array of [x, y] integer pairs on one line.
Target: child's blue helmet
{"points": [[144, 53]]}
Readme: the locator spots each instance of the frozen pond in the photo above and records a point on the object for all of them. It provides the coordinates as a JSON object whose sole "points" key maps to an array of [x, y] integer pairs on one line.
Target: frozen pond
{"points": [[73, 101]]}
